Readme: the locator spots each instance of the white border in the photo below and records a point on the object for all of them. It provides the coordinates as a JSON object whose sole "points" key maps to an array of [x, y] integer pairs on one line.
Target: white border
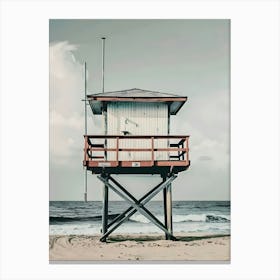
{"points": [[255, 137]]}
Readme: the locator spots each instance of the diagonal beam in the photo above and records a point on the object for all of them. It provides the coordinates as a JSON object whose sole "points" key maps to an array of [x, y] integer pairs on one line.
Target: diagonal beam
{"points": [[136, 201], [131, 208], [147, 197], [136, 206], [144, 199], [155, 192], [124, 219]]}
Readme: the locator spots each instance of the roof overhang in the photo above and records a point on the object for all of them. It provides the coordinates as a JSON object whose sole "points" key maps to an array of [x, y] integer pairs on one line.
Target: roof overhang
{"points": [[99, 103]]}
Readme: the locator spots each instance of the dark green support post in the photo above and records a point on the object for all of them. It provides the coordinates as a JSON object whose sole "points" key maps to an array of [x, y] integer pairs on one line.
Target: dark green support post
{"points": [[105, 210]]}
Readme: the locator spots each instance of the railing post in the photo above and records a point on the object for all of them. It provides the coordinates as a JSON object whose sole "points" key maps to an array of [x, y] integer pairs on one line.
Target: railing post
{"points": [[179, 145], [105, 147], [153, 148], [187, 150], [183, 155], [117, 151], [85, 149]]}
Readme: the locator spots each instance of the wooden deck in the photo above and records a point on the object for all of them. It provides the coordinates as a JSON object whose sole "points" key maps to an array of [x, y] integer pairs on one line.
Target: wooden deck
{"points": [[97, 159]]}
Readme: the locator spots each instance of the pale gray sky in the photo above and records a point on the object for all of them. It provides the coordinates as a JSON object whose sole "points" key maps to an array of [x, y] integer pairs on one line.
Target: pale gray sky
{"points": [[185, 57]]}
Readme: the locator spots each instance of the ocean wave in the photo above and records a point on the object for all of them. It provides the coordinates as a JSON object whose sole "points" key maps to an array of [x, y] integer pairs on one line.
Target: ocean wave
{"points": [[216, 219], [138, 218], [207, 218], [65, 219]]}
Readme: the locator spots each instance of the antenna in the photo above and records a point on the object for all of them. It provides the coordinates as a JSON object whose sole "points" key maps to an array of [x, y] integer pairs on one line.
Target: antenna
{"points": [[103, 62], [105, 187], [85, 194]]}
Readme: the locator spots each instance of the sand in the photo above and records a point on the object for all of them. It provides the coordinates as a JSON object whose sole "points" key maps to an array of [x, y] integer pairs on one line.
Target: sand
{"points": [[139, 248]]}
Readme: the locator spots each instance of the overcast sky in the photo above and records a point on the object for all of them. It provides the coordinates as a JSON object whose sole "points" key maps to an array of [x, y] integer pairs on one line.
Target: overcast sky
{"points": [[184, 57]]}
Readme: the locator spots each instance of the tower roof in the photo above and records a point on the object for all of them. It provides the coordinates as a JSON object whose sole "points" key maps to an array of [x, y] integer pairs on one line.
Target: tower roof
{"points": [[136, 95]]}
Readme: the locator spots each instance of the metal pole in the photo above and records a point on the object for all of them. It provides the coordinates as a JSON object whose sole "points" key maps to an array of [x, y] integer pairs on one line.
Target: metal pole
{"points": [[85, 195], [103, 87], [105, 187], [103, 62]]}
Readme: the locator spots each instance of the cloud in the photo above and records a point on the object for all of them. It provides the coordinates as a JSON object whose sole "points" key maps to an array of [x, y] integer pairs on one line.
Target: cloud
{"points": [[206, 119], [205, 158], [66, 107], [66, 80]]}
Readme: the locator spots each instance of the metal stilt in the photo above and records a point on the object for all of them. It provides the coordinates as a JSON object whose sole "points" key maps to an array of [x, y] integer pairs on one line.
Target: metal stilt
{"points": [[165, 210], [169, 225], [105, 210]]}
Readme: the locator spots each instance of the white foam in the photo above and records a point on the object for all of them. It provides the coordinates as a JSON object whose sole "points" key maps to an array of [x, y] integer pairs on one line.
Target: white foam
{"points": [[180, 218], [182, 223]]}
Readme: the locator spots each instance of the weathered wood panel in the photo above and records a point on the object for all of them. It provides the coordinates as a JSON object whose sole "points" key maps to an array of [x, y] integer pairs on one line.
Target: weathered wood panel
{"points": [[132, 118]]}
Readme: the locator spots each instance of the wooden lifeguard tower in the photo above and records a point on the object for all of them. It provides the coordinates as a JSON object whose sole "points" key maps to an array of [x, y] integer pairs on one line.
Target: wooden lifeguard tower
{"points": [[136, 140]]}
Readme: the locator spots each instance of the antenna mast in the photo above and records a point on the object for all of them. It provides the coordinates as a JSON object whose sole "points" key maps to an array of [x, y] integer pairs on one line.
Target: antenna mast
{"points": [[105, 187], [103, 62], [85, 194]]}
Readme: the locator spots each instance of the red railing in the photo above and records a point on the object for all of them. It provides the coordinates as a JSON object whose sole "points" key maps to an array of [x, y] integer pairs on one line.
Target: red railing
{"points": [[136, 151]]}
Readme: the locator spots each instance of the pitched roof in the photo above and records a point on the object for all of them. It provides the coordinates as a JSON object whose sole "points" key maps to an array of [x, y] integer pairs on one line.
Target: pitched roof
{"points": [[98, 101], [135, 93]]}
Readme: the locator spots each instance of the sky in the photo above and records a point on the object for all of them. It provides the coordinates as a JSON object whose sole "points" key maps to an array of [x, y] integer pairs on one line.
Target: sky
{"points": [[184, 57]]}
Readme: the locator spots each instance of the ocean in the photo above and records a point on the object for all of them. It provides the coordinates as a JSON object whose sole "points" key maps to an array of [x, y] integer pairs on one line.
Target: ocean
{"points": [[84, 218]]}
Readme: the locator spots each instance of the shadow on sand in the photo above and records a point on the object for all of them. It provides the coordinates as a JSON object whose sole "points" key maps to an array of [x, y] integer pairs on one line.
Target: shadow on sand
{"points": [[120, 238]]}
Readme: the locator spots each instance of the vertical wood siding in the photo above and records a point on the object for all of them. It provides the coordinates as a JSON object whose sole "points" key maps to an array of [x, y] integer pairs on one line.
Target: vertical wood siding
{"points": [[138, 119]]}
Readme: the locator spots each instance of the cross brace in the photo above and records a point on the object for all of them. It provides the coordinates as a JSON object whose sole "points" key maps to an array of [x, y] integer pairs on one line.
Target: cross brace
{"points": [[135, 205]]}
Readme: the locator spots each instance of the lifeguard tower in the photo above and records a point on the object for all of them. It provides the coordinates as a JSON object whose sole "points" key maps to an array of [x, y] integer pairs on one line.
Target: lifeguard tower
{"points": [[136, 140]]}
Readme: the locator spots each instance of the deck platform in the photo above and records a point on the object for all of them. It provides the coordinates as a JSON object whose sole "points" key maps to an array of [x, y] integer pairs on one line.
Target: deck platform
{"points": [[101, 156]]}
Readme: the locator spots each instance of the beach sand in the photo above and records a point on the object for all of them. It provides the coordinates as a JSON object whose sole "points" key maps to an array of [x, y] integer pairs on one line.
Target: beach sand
{"points": [[139, 248]]}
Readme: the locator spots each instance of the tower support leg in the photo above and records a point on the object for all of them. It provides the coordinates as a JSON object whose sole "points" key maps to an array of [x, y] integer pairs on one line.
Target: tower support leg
{"points": [[165, 211], [168, 199], [105, 210], [167, 206]]}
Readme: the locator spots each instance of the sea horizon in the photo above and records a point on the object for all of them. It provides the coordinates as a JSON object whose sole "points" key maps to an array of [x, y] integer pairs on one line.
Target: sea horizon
{"points": [[82, 218]]}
